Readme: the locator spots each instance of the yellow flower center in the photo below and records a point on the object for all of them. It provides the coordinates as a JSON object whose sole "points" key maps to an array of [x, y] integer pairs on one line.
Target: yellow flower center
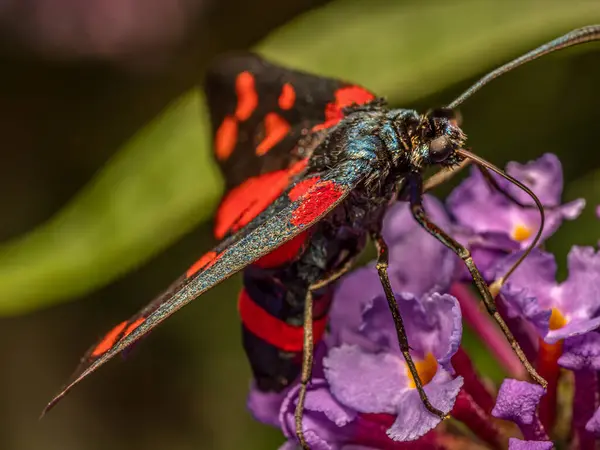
{"points": [[521, 233], [557, 320], [426, 368]]}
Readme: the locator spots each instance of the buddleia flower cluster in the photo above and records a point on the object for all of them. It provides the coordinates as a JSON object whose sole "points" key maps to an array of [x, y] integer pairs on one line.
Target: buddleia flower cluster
{"points": [[362, 395]]}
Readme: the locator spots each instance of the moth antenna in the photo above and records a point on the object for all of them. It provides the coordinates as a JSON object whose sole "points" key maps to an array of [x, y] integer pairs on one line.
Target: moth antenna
{"points": [[575, 37], [497, 285]]}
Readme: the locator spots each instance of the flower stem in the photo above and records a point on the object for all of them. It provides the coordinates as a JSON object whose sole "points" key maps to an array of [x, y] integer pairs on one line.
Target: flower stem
{"points": [[521, 330], [584, 406], [491, 336], [534, 431], [370, 432], [479, 422], [473, 385], [547, 367]]}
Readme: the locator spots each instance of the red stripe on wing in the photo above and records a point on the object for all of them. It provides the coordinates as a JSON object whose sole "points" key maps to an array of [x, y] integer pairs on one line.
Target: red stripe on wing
{"points": [[205, 261], [115, 335], [248, 200]]}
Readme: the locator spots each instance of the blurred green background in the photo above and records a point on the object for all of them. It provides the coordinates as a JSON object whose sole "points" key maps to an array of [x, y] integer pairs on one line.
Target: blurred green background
{"points": [[107, 185]]}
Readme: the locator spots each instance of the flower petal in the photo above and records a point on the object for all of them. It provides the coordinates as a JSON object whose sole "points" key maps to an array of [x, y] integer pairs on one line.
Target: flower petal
{"points": [[353, 295], [320, 400], [573, 209], [537, 273], [289, 445], [593, 425], [315, 442], [579, 295], [543, 176], [517, 401], [368, 383], [575, 327], [433, 325], [528, 291], [474, 200], [406, 238], [265, 406], [518, 444], [414, 420], [581, 352], [398, 220], [324, 417]]}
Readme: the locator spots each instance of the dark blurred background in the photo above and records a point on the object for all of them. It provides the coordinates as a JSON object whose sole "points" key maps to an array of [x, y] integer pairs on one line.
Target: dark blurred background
{"points": [[79, 79]]}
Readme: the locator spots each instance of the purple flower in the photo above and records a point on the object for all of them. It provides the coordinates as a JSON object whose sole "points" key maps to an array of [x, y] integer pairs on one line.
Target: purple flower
{"points": [[368, 372], [435, 268], [480, 208], [581, 352], [582, 356], [329, 425], [362, 395], [517, 401], [518, 444], [384, 386], [593, 425], [326, 422], [557, 310]]}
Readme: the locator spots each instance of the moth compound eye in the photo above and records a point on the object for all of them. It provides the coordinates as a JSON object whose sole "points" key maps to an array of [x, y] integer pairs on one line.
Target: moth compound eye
{"points": [[439, 149]]}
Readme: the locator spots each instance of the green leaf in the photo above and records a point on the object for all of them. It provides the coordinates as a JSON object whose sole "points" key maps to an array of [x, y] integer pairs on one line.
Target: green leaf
{"points": [[408, 50], [163, 182]]}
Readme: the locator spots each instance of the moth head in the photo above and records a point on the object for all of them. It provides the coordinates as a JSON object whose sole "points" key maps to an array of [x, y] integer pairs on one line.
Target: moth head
{"points": [[442, 136]]}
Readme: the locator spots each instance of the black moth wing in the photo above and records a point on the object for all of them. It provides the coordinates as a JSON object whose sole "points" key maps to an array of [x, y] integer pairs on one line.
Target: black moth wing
{"points": [[286, 218], [272, 98]]}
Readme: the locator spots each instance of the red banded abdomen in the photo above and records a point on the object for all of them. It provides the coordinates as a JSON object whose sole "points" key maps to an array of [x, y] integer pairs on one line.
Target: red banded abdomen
{"points": [[272, 330]]}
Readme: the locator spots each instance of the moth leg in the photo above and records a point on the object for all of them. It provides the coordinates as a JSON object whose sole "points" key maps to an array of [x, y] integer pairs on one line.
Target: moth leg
{"points": [[443, 175], [307, 362], [418, 212], [382, 266], [308, 349]]}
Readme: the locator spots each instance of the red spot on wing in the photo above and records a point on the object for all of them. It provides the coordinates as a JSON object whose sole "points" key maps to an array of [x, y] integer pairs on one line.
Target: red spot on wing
{"points": [[247, 101], [246, 95], [350, 95], [287, 97], [344, 97], [207, 260], [132, 326], [284, 253], [302, 188], [272, 330], [225, 138], [109, 339], [320, 199], [115, 335], [248, 200], [276, 128], [245, 202]]}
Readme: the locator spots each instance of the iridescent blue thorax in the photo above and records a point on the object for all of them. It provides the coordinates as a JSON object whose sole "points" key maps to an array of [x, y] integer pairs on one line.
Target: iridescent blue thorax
{"points": [[395, 141]]}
